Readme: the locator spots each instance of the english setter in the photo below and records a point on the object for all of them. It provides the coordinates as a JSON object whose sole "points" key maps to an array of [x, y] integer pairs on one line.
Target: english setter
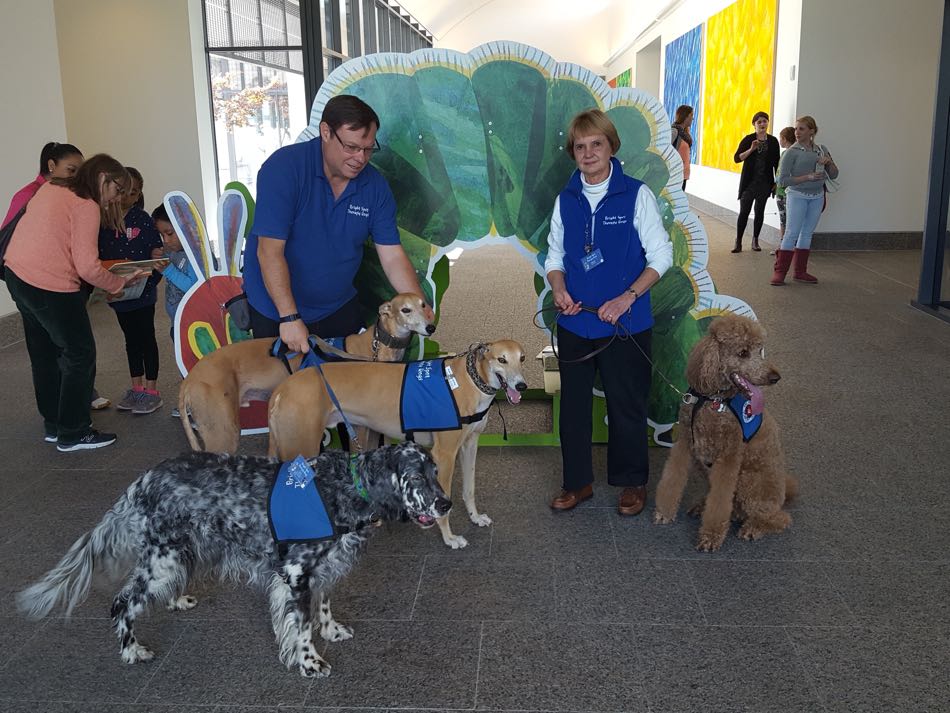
{"points": [[202, 512]]}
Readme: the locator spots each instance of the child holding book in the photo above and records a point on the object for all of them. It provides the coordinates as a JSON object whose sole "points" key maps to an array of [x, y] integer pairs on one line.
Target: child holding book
{"points": [[134, 237], [179, 273]]}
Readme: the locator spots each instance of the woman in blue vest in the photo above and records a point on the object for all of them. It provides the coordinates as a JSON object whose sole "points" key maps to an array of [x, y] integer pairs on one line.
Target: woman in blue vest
{"points": [[606, 249]]}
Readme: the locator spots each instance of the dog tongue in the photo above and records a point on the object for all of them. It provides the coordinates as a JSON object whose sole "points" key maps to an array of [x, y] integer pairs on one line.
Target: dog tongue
{"points": [[753, 393], [514, 396]]}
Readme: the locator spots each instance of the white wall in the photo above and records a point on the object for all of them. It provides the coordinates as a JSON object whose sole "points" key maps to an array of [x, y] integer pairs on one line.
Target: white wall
{"points": [[129, 88], [646, 75], [580, 38], [869, 77], [33, 109]]}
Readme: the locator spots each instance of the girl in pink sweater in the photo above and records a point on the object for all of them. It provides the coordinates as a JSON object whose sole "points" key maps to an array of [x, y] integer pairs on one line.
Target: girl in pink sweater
{"points": [[54, 248]]}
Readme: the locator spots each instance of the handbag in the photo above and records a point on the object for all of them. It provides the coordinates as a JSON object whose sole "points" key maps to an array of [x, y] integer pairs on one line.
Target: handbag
{"points": [[5, 234], [237, 307]]}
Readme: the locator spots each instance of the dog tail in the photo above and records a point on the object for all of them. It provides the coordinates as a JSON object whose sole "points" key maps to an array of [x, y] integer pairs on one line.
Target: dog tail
{"points": [[791, 488], [108, 545], [184, 408]]}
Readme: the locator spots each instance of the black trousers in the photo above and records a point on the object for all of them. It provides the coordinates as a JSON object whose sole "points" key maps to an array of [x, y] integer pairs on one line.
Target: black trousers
{"points": [[141, 348], [625, 371], [62, 353], [345, 321], [746, 202]]}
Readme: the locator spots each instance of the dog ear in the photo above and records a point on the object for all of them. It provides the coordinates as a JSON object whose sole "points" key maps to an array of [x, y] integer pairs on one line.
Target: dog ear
{"points": [[703, 368], [386, 308]]}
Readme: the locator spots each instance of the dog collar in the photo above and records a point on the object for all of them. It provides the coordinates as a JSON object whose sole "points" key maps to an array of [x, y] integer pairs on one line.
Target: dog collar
{"points": [[357, 481], [388, 340], [484, 387]]}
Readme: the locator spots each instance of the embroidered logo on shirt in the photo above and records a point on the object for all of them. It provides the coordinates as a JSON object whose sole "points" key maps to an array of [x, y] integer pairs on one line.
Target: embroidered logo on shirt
{"points": [[132, 233], [615, 220], [358, 210]]}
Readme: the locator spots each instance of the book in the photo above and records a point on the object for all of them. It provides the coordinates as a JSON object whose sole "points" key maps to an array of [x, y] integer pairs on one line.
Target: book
{"points": [[125, 268]]}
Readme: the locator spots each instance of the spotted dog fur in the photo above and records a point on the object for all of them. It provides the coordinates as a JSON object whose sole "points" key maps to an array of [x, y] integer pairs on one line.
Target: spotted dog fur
{"points": [[204, 512]]}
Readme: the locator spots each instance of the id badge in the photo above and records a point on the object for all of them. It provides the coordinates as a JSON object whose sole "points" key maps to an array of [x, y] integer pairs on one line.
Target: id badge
{"points": [[592, 260]]}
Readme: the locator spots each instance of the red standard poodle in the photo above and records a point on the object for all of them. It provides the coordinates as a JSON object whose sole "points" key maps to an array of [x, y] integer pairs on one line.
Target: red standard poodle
{"points": [[726, 435]]}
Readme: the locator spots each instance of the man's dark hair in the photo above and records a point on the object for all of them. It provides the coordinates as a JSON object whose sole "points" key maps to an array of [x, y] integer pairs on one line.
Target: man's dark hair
{"points": [[349, 111]]}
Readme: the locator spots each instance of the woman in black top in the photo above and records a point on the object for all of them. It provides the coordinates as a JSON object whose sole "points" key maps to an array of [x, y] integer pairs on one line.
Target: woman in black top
{"points": [[758, 153]]}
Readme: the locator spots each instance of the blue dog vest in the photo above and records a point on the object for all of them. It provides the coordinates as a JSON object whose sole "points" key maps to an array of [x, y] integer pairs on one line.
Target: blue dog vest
{"points": [[426, 402], [295, 510], [740, 407]]}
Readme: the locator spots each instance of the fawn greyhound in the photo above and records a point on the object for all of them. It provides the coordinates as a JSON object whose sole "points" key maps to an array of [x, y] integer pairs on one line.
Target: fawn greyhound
{"points": [[372, 395], [230, 377]]}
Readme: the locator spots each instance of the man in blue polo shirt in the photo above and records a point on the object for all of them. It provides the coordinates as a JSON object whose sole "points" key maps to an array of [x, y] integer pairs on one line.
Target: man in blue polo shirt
{"points": [[317, 202]]}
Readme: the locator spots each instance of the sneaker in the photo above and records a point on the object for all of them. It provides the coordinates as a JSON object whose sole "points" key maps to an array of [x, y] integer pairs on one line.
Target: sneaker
{"points": [[92, 439], [147, 403], [51, 438], [128, 400], [176, 413]]}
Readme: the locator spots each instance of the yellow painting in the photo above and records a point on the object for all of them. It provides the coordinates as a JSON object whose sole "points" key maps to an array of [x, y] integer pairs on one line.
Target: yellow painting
{"points": [[737, 79]]}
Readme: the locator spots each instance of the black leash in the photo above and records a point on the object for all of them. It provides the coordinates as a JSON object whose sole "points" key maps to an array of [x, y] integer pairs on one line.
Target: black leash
{"points": [[687, 398]]}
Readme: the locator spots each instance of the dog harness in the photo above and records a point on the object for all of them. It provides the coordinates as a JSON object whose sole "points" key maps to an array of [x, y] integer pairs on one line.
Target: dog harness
{"points": [[296, 511], [426, 402], [739, 405]]}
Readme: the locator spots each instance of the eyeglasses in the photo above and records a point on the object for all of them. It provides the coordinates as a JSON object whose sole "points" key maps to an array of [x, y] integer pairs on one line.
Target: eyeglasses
{"points": [[353, 149], [119, 186]]}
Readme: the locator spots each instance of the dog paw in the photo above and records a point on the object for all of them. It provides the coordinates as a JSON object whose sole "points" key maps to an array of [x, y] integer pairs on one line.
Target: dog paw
{"points": [[135, 653], [661, 519], [696, 510], [334, 631], [750, 533], [182, 603], [456, 542], [710, 541], [314, 666], [480, 519]]}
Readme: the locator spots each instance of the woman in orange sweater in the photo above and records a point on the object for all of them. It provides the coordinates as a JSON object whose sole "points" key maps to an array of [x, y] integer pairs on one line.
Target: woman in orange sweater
{"points": [[54, 247]]}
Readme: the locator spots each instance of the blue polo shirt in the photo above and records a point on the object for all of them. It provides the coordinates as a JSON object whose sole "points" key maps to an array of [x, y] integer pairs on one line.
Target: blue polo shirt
{"points": [[324, 236]]}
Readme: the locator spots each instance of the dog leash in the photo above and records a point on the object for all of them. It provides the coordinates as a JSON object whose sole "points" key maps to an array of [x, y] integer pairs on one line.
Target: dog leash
{"points": [[687, 398], [311, 359]]}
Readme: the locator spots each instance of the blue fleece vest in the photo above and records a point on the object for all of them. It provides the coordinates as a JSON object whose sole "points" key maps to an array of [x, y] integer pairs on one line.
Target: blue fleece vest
{"points": [[612, 230], [295, 509], [426, 402]]}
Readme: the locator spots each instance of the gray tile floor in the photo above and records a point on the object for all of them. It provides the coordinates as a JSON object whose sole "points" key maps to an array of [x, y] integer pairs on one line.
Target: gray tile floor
{"points": [[584, 611]]}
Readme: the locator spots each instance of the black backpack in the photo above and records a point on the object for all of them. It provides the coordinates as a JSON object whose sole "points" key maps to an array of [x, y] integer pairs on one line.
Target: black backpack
{"points": [[5, 234]]}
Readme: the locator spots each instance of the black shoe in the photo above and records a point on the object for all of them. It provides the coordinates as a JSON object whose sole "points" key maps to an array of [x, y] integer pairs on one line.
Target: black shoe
{"points": [[737, 248], [755, 245], [92, 439]]}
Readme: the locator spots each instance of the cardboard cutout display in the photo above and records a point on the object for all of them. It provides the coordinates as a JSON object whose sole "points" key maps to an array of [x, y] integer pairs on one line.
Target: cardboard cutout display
{"points": [[473, 149]]}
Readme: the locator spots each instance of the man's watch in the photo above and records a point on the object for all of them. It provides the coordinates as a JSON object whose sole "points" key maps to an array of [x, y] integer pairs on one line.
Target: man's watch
{"points": [[289, 318]]}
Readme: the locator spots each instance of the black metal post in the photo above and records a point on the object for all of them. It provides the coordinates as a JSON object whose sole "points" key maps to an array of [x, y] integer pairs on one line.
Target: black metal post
{"points": [[311, 33], [935, 220]]}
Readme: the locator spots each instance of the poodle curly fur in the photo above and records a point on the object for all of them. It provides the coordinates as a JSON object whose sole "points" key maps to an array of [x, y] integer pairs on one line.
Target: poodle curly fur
{"points": [[747, 480]]}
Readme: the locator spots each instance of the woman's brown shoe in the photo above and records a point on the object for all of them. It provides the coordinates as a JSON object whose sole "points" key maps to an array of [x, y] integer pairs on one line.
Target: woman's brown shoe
{"points": [[569, 499], [632, 500]]}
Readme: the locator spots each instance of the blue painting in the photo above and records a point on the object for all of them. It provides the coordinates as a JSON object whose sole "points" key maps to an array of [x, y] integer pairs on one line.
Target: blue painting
{"points": [[681, 81]]}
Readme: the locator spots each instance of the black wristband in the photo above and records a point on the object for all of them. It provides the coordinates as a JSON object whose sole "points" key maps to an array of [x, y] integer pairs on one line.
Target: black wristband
{"points": [[289, 318]]}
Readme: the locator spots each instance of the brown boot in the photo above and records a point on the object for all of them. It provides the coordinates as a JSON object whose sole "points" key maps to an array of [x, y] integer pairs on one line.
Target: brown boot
{"points": [[755, 244], [783, 259], [569, 499], [800, 261]]}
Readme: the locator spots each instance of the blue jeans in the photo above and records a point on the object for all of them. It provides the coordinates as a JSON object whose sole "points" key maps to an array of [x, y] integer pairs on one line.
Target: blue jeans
{"points": [[802, 216]]}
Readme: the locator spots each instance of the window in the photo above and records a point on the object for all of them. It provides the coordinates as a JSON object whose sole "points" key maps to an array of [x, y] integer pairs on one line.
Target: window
{"points": [[266, 61]]}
